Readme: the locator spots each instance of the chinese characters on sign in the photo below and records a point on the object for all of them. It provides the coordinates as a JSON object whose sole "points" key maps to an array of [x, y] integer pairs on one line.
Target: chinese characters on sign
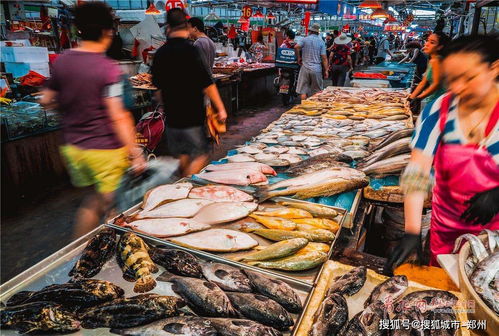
{"points": [[431, 324]]}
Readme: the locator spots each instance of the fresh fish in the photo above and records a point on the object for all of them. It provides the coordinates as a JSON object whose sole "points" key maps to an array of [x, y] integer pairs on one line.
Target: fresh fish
{"points": [[318, 162], [285, 213], [277, 290], [312, 246], [317, 152], [167, 227], [315, 209], [447, 317], [277, 162], [240, 158], [203, 297], [388, 291], [404, 133], [265, 157], [242, 165], [275, 222], [291, 158], [133, 258], [242, 177], [249, 150], [326, 182], [277, 250], [261, 309], [319, 223], [411, 314], [177, 262], [269, 141], [393, 165], [233, 327], [131, 312], [492, 241], [295, 262], [276, 149], [354, 148], [299, 138], [485, 280], [172, 326], [376, 134], [224, 212], [98, 251], [38, 317], [400, 146], [183, 208], [397, 117], [227, 277], [220, 193], [367, 322], [297, 151], [357, 154], [165, 193], [476, 245], [72, 296], [279, 235], [217, 240], [426, 300], [330, 317], [350, 282]]}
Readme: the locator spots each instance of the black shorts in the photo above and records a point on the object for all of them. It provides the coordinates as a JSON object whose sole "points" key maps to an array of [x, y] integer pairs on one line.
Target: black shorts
{"points": [[190, 141]]}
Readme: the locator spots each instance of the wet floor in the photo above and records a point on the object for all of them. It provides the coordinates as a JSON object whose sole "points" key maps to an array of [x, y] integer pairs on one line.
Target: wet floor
{"points": [[44, 224]]}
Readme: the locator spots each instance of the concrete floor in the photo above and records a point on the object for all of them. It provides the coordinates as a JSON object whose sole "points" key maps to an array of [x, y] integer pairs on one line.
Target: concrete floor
{"points": [[44, 225]]}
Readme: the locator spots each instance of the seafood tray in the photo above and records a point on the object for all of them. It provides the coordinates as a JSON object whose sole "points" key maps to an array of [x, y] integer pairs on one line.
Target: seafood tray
{"points": [[355, 302], [308, 277], [54, 270]]}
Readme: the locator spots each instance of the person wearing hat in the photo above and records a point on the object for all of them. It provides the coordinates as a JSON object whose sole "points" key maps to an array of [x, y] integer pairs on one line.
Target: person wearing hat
{"points": [[340, 59], [384, 49], [311, 55]]}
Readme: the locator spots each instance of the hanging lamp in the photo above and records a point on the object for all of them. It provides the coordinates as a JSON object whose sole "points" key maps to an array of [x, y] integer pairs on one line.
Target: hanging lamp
{"points": [[258, 14], [379, 14], [270, 16], [370, 4], [152, 10]]}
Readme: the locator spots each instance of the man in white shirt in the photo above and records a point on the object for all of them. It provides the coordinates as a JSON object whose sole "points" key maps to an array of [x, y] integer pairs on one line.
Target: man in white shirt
{"points": [[383, 49]]}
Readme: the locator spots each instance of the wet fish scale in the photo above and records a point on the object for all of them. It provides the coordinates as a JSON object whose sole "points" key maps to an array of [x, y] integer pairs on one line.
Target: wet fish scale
{"points": [[172, 326], [177, 261], [330, 317], [226, 277]]}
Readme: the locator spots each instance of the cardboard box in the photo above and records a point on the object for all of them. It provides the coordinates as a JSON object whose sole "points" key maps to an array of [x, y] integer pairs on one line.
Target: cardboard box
{"points": [[24, 54], [18, 69]]}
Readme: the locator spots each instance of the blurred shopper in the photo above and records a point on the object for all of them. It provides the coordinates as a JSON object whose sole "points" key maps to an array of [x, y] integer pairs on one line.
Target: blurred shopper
{"points": [[311, 55], [98, 133], [460, 140], [355, 52], [432, 86], [180, 74], [258, 48], [416, 56], [372, 49], [203, 43], [289, 41], [383, 49], [340, 60]]}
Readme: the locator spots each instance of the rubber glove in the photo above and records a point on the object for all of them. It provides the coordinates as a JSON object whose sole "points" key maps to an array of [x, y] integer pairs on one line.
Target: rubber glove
{"points": [[407, 245], [482, 207]]}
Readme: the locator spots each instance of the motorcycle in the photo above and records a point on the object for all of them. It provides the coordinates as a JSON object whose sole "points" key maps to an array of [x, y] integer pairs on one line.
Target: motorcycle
{"points": [[289, 68]]}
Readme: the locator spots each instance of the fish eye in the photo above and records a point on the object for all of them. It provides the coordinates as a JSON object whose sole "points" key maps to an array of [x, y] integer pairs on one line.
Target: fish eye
{"points": [[219, 309], [282, 317]]}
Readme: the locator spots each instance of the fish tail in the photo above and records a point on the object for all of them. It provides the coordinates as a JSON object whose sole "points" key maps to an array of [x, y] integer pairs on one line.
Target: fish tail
{"points": [[144, 284], [262, 194]]}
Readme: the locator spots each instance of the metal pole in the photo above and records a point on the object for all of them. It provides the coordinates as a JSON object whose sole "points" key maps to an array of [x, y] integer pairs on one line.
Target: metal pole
{"points": [[476, 20]]}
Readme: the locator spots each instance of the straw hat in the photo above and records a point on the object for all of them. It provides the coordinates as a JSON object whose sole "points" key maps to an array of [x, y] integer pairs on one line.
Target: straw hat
{"points": [[315, 28], [342, 39]]}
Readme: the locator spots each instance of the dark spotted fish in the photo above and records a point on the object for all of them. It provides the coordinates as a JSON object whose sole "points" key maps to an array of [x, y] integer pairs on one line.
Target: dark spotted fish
{"points": [[367, 322], [388, 291], [318, 162], [426, 300], [411, 314], [442, 315], [38, 317], [135, 262], [177, 262], [227, 277], [331, 316], [98, 251], [172, 326], [131, 312], [349, 283], [233, 327]]}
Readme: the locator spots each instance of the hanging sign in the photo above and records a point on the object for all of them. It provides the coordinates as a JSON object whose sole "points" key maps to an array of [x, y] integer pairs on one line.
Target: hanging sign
{"points": [[247, 12], [305, 2], [306, 21], [170, 4]]}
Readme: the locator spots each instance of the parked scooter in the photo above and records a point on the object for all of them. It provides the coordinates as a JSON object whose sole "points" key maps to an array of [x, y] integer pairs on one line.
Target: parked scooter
{"points": [[289, 68]]}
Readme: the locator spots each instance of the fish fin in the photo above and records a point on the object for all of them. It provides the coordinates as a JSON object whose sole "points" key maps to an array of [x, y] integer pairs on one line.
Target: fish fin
{"points": [[144, 284], [247, 229], [240, 258]]}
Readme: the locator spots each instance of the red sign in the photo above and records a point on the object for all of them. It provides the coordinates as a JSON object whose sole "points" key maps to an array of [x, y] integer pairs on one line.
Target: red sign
{"points": [[247, 12], [306, 21], [170, 4], [313, 2]]}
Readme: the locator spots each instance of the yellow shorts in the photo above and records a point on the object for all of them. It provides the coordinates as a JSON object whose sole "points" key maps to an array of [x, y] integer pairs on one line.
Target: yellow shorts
{"points": [[103, 168]]}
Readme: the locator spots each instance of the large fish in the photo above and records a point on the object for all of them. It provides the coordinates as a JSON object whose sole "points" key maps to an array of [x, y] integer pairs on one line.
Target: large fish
{"points": [[203, 297], [297, 262], [177, 262], [446, 317], [277, 290], [326, 182], [319, 236], [318, 162], [330, 317], [135, 262], [184, 208], [350, 282], [72, 296], [388, 291], [241, 177], [261, 309], [400, 146], [265, 169], [220, 193], [485, 280], [98, 251], [167, 227], [131, 312], [38, 317], [319, 223], [172, 326], [315, 209], [227, 277], [404, 133], [411, 315], [217, 240], [277, 250], [224, 212], [427, 300], [393, 165], [239, 158], [285, 213], [165, 193], [277, 223], [367, 322], [238, 327]]}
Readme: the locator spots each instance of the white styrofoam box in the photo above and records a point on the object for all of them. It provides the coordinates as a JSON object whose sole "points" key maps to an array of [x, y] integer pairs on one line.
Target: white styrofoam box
{"points": [[24, 54], [20, 69], [16, 43]]}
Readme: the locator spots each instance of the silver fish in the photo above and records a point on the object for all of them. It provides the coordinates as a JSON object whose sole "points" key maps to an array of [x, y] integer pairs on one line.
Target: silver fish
{"points": [[233, 327], [393, 165], [478, 251], [388, 291], [367, 322], [492, 241], [404, 133], [227, 277], [485, 280], [376, 134], [349, 283], [172, 326], [400, 146], [331, 316]]}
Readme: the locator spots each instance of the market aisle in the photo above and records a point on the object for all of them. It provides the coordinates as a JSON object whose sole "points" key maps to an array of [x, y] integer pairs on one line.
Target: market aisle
{"points": [[44, 226]]}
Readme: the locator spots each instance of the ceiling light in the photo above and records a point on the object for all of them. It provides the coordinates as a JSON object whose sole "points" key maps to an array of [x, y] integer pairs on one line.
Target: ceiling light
{"points": [[370, 4], [258, 14], [379, 14], [270, 16], [152, 10]]}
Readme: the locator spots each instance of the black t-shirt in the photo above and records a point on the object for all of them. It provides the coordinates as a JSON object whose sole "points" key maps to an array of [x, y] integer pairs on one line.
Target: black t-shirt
{"points": [[179, 73]]}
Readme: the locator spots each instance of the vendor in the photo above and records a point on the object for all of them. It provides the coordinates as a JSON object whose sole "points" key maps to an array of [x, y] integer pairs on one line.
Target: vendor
{"points": [[416, 56], [460, 140]]}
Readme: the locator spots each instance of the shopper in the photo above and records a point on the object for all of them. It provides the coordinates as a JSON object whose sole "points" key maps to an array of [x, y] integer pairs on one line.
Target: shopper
{"points": [[416, 56], [98, 133], [311, 55], [340, 60], [289, 41], [383, 49], [431, 86], [372, 49], [203, 43], [258, 48], [460, 141], [182, 78], [329, 44]]}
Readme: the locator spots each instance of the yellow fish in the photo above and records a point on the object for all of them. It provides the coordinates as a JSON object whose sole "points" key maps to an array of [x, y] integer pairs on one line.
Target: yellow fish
{"points": [[319, 247], [275, 222], [319, 223], [285, 213]]}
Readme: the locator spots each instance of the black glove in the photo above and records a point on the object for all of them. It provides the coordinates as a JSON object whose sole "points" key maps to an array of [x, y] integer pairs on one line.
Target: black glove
{"points": [[407, 245], [482, 207]]}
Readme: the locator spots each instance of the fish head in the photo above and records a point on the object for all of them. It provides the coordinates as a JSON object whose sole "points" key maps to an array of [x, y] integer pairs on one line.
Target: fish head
{"points": [[57, 319]]}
